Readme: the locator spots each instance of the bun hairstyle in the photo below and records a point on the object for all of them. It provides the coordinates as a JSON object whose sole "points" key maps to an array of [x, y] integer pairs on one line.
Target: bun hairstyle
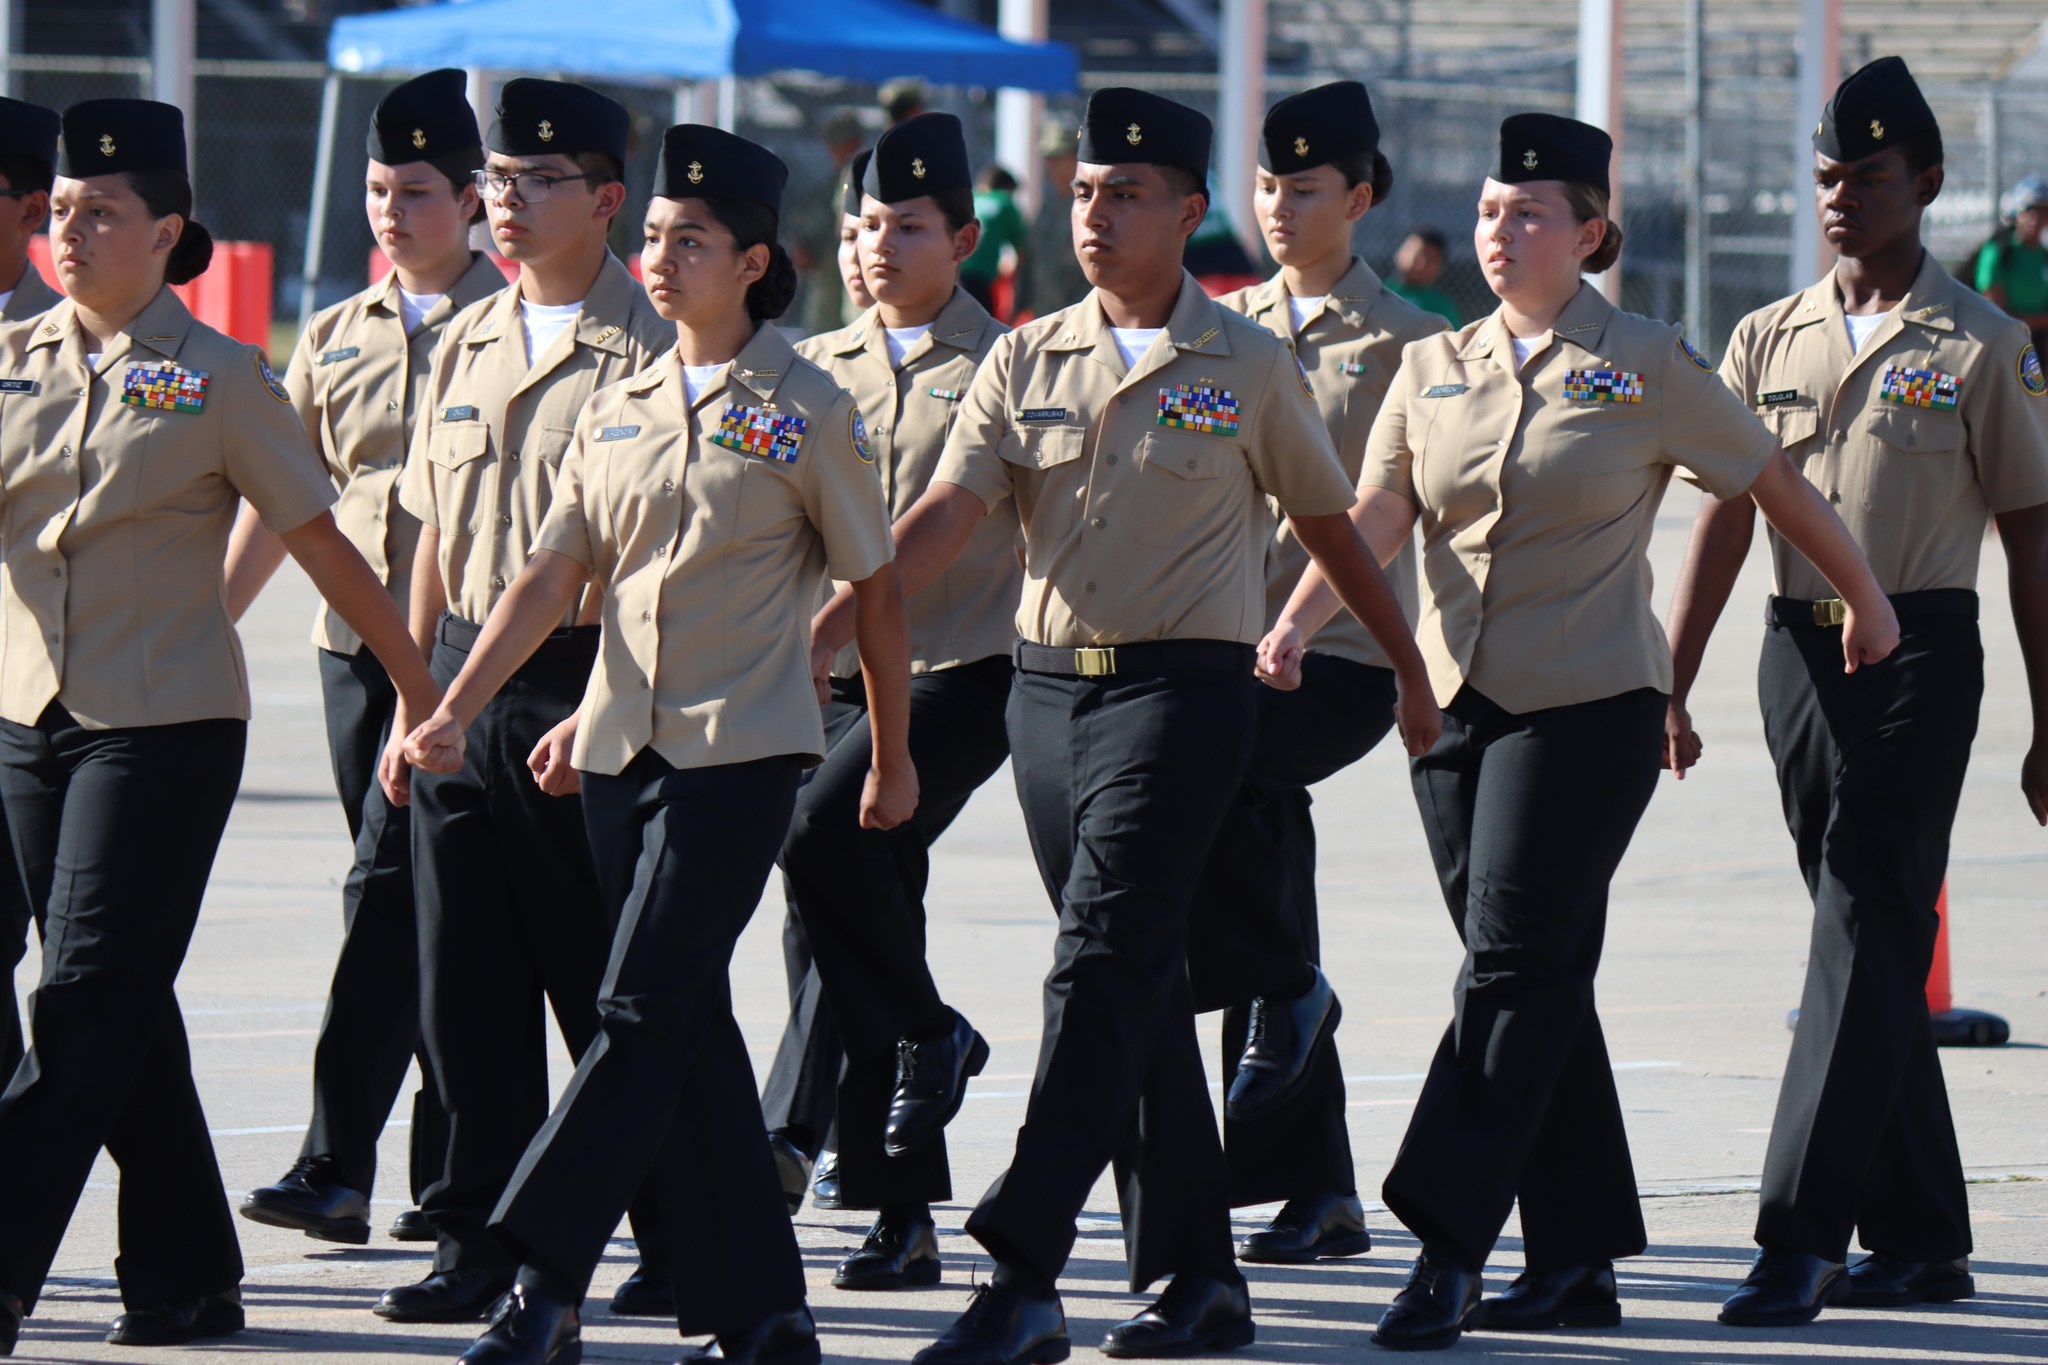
{"points": [[163, 193], [1367, 168], [1588, 202], [753, 224]]}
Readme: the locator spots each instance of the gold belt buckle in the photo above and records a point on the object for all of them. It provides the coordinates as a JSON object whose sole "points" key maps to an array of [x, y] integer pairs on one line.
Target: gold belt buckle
{"points": [[1830, 611], [1095, 663]]}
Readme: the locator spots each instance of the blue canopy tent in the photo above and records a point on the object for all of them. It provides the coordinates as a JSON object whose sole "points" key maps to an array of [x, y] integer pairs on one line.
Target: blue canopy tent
{"points": [[671, 41]]}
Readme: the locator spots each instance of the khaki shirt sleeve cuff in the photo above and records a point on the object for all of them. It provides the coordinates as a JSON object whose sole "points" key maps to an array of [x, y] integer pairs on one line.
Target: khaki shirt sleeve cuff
{"points": [[564, 538], [989, 484]]}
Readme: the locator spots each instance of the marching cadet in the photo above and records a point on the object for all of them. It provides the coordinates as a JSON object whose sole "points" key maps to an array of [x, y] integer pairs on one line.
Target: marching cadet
{"points": [[1136, 432], [357, 379], [509, 907], [28, 158], [132, 431], [703, 499], [1252, 927], [860, 893], [1921, 412], [1536, 445], [850, 273]]}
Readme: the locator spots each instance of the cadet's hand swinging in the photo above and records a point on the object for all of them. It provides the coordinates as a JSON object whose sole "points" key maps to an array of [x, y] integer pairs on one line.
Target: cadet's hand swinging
{"points": [[1416, 716], [1279, 658], [550, 760], [1870, 635], [888, 798], [1682, 747], [438, 744]]}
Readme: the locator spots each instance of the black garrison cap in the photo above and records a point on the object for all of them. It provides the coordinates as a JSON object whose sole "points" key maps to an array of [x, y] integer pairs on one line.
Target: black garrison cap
{"points": [[102, 137], [1878, 107], [1317, 127], [426, 117], [701, 162], [849, 192], [1124, 125], [919, 156], [29, 131], [559, 118], [1552, 147]]}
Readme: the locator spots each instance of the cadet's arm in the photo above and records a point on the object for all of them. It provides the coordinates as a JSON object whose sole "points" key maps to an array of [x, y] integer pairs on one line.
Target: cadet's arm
{"points": [[338, 571], [1798, 512], [1385, 520], [929, 537], [254, 552], [1340, 552], [2025, 534], [889, 796], [1721, 534]]}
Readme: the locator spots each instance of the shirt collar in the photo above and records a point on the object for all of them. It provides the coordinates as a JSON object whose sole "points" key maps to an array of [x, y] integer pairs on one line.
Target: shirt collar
{"points": [[1196, 323]]}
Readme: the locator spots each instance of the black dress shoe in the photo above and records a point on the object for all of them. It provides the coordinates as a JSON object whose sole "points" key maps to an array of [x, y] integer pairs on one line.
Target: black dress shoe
{"points": [[780, 1339], [312, 1200], [1196, 1313], [1308, 1229], [825, 1184], [215, 1315], [413, 1226], [1284, 1038], [1003, 1326], [1785, 1289], [792, 1168], [1881, 1281], [1583, 1296], [1438, 1302], [445, 1296], [898, 1253], [645, 1294], [931, 1081], [10, 1322], [532, 1327]]}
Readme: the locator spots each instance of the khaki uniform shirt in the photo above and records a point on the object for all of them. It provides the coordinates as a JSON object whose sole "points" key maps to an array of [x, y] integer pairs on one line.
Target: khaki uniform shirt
{"points": [[1139, 490], [119, 483], [710, 556], [31, 298], [1538, 491], [1350, 346], [967, 613], [358, 379], [487, 450], [1916, 475]]}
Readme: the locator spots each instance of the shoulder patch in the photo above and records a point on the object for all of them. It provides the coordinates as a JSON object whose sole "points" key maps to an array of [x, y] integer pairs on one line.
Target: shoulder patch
{"points": [[2029, 367], [857, 432], [1692, 353], [264, 373]]}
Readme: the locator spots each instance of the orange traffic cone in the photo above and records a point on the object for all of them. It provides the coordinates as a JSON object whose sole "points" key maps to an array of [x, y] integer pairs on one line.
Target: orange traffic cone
{"points": [[1954, 1027]]}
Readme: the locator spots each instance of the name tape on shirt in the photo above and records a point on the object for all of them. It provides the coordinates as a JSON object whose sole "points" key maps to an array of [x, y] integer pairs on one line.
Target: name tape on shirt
{"points": [[20, 386], [1041, 414], [2029, 367], [617, 433], [463, 413], [1913, 388], [164, 387], [756, 431], [1603, 386], [1200, 407], [1770, 398], [336, 356], [1444, 390]]}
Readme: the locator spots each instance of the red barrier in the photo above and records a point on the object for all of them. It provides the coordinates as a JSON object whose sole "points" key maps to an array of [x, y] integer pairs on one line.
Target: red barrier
{"points": [[233, 296]]}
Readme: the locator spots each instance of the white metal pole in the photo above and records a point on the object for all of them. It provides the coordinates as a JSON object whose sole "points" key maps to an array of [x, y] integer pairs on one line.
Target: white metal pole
{"points": [[10, 25], [728, 102], [1599, 101], [1695, 178], [1019, 112], [481, 88], [316, 220], [172, 48], [1240, 109], [1820, 66]]}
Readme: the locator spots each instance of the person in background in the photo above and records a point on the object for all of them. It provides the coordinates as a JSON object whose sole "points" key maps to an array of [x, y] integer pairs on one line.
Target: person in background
{"points": [[815, 230], [1002, 225], [2012, 268], [849, 237], [1049, 274], [903, 99], [1418, 264]]}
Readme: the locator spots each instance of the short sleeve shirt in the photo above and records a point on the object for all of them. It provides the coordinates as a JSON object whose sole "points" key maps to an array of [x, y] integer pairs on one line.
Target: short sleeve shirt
{"points": [[1538, 490], [119, 482], [358, 379], [709, 526], [487, 450], [1141, 490], [1939, 421], [1350, 346], [968, 612]]}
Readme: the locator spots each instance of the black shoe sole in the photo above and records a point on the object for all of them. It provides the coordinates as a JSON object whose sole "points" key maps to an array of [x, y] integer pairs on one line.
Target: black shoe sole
{"points": [[1330, 1248], [1231, 1338], [404, 1232], [1238, 1113], [1948, 1291], [221, 1323], [917, 1273], [1586, 1315], [1435, 1341], [489, 1310], [977, 1059], [350, 1231], [643, 1306]]}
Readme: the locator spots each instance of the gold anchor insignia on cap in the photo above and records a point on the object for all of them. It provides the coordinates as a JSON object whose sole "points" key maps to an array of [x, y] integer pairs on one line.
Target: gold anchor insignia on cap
{"points": [[1301, 146], [1134, 135], [106, 144], [1820, 127], [917, 167], [1877, 130], [1529, 159], [696, 173], [419, 139], [547, 131]]}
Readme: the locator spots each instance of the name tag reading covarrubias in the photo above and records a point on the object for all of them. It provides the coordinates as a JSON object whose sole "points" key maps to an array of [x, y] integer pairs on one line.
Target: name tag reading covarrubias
{"points": [[1032, 415]]}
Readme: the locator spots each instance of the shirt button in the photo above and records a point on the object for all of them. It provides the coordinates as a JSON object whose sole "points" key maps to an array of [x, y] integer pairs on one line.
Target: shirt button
{"points": [[1111, 460], [391, 406], [506, 519], [1834, 497], [79, 394], [1091, 587], [668, 485], [515, 457], [65, 452], [1098, 523], [1191, 464], [57, 572], [647, 616], [497, 580]]}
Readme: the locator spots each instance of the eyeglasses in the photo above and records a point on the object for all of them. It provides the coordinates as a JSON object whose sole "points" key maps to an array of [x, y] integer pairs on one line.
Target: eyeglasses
{"points": [[530, 187]]}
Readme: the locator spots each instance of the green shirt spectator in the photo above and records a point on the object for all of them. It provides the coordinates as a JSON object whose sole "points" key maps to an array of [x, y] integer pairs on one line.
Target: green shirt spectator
{"points": [[1417, 265], [2012, 269], [1002, 225]]}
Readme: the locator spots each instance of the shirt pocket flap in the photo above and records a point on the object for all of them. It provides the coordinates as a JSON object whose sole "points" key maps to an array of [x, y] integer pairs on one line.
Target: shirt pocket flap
{"points": [[1037, 447], [455, 444], [1190, 457], [1792, 423], [1911, 431]]}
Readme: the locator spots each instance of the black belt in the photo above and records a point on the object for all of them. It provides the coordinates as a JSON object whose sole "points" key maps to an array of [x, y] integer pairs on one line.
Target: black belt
{"points": [[1910, 606], [1149, 656], [456, 633]]}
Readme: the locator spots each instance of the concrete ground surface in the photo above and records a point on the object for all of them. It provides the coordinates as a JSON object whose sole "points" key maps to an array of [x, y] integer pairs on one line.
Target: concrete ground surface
{"points": [[1705, 955]]}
